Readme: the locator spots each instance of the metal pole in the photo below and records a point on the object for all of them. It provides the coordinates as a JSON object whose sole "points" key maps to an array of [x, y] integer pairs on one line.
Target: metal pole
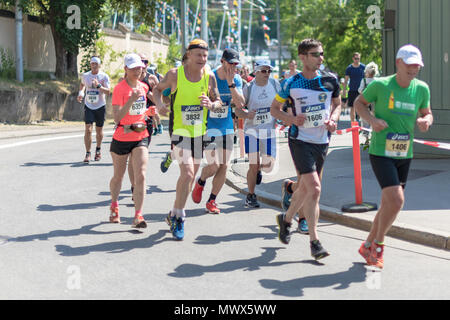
{"points": [[195, 21], [221, 33], [19, 43], [204, 34], [249, 36], [279, 39], [239, 25], [183, 26]]}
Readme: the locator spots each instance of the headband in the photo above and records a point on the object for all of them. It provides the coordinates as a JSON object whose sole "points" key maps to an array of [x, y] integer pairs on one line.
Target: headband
{"points": [[197, 46], [96, 60]]}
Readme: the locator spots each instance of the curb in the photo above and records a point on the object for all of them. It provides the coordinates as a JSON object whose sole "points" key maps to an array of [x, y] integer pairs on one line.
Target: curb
{"points": [[428, 237]]}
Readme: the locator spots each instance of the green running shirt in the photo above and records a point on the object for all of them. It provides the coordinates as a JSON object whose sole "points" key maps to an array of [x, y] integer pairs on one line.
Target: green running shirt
{"points": [[399, 108]]}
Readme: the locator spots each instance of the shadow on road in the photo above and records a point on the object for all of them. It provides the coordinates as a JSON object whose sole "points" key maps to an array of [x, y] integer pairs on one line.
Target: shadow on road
{"points": [[194, 270], [295, 287], [71, 164]]}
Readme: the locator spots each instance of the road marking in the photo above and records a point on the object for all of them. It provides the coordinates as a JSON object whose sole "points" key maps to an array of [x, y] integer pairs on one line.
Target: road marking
{"points": [[22, 143]]}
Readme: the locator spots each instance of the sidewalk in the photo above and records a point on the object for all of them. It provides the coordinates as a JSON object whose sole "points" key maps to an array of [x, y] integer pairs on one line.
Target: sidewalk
{"points": [[425, 218]]}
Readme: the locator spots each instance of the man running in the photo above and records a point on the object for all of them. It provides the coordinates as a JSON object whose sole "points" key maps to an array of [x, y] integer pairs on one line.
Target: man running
{"points": [[194, 91], [401, 101], [96, 83], [220, 126], [259, 127], [316, 112]]}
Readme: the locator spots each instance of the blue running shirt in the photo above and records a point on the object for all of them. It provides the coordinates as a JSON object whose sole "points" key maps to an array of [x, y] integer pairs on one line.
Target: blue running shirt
{"points": [[312, 97], [221, 123]]}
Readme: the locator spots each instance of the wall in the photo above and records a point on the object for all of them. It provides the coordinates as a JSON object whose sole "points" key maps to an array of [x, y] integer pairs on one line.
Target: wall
{"points": [[426, 24]]}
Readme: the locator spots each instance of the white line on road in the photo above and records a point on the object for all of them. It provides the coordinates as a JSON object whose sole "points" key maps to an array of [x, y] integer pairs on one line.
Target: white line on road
{"points": [[22, 143]]}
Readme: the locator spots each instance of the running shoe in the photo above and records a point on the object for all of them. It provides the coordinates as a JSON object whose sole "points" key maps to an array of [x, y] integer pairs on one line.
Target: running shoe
{"points": [[317, 251], [197, 192], [285, 195], [165, 164], [87, 158], [171, 221], [211, 207], [139, 222], [284, 234], [364, 252], [114, 215], [160, 129], [376, 256], [178, 230], [98, 155], [303, 226], [258, 177], [251, 201]]}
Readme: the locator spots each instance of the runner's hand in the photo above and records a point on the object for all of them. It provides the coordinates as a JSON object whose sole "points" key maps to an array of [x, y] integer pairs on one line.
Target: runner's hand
{"points": [[135, 94], [230, 72], [251, 114], [163, 111], [94, 83], [331, 125], [298, 120], [423, 124], [378, 125], [205, 102], [79, 99]]}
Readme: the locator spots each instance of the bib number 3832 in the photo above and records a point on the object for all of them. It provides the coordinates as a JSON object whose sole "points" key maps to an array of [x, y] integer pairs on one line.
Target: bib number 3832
{"points": [[192, 115]]}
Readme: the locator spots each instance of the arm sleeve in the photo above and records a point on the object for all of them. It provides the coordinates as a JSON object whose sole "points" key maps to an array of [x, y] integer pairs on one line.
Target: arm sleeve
{"points": [[426, 97], [117, 97], [283, 94]]}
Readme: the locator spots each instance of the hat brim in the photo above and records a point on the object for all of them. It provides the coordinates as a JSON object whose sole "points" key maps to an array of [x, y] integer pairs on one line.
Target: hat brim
{"points": [[232, 60], [413, 61], [135, 65]]}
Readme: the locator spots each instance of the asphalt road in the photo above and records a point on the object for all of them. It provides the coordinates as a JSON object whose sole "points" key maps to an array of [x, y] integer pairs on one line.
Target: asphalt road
{"points": [[56, 242]]}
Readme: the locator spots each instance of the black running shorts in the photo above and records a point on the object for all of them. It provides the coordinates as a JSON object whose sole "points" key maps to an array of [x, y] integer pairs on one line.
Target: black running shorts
{"points": [[352, 95], [97, 116], [390, 172], [125, 147], [308, 157]]}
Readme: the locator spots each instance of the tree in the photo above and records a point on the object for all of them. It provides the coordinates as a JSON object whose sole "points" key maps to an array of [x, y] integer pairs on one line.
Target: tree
{"points": [[75, 24]]}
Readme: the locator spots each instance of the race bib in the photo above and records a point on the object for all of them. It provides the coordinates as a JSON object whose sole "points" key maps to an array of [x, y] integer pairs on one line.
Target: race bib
{"points": [[315, 115], [397, 144], [92, 96], [219, 113], [262, 116], [192, 115], [138, 107]]}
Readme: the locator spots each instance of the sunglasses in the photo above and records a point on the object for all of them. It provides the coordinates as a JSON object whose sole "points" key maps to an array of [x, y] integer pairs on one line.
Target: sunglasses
{"points": [[266, 71], [356, 58], [144, 61], [316, 54]]}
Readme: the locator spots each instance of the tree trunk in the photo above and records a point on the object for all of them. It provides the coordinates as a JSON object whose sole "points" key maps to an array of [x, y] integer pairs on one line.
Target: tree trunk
{"points": [[60, 53]]}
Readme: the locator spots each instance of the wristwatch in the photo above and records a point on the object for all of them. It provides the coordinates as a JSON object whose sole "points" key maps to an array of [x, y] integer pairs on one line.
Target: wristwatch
{"points": [[99, 86], [233, 85]]}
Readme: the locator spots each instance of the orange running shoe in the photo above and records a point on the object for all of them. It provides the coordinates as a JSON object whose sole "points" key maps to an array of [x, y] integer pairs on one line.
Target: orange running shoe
{"points": [[376, 256], [114, 216], [139, 222], [211, 207], [197, 193], [364, 252]]}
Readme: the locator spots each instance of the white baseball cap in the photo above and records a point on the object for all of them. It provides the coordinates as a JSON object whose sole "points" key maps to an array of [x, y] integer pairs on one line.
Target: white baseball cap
{"points": [[132, 60], [259, 64], [95, 60], [410, 55]]}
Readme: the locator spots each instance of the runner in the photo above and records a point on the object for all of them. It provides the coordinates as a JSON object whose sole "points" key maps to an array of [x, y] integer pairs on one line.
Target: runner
{"points": [[401, 101], [131, 137], [97, 85], [259, 127], [151, 81], [220, 126], [152, 70], [194, 90], [316, 113]]}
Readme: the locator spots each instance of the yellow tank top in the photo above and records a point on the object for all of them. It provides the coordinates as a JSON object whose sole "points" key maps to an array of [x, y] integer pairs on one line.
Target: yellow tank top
{"points": [[189, 118]]}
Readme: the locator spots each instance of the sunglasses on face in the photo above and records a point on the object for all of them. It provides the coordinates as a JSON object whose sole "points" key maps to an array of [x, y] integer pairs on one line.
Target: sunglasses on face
{"points": [[316, 54], [144, 61], [266, 71], [356, 58]]}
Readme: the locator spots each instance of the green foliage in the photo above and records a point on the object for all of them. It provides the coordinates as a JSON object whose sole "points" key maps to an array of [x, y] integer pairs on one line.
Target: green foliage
{"points": [[7, 64]]}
